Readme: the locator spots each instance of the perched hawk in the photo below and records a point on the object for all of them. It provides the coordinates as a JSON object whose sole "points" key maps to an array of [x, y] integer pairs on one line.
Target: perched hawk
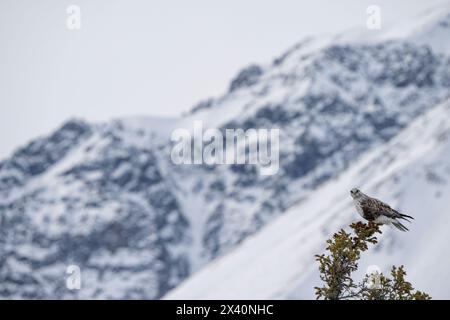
{"points": [[376, 211]]}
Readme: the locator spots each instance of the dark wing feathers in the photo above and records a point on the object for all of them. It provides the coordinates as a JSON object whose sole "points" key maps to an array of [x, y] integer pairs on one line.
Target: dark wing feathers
{"points": [[373, 208], [405, 216]]}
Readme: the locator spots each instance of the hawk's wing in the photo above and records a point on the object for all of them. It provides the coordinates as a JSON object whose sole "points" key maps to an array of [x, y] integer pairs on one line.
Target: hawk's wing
{"points": [[373, 208]]}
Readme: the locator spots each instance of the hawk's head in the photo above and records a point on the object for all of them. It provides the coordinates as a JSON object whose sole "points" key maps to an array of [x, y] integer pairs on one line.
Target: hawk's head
{"points": [[356, 193]]}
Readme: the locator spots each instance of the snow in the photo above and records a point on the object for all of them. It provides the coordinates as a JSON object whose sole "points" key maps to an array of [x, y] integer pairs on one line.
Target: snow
{"points": [[278, 262], [424, 29], [138, 237]]}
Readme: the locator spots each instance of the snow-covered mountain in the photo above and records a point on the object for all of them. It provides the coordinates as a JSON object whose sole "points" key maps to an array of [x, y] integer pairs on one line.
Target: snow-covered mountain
{"points": [[411, 172], [107, 197]]}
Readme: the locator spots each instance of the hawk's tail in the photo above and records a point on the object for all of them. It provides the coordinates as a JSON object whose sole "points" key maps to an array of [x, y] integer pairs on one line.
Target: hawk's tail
{"points": [[399, 226]]}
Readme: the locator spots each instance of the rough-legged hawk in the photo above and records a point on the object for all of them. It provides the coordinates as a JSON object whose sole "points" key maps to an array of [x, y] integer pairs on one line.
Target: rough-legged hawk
{"points": [[376, 211]]}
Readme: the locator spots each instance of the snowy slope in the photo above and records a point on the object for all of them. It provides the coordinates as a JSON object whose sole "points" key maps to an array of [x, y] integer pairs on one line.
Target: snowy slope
{"points": [[103, 205], [432, 28], [411, 172], [108, 198]]}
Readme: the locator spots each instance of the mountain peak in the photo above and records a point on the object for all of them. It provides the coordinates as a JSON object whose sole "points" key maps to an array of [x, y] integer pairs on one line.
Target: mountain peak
{"points": [[431, 28], [109, 199]]}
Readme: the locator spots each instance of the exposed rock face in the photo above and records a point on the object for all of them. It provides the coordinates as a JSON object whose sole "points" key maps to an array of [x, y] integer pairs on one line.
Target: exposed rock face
{"points": [[107, 198]]}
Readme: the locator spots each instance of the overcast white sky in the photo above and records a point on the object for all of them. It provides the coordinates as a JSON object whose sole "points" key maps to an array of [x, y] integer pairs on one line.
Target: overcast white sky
{"points": [[154, 57]]}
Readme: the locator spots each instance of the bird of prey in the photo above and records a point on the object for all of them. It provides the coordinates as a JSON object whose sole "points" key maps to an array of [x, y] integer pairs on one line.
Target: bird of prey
{"points": [[377, 211]]}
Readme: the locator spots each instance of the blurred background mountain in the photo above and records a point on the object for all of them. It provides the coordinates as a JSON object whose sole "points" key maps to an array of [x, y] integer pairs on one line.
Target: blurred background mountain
{"points": [[354, 109]]}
